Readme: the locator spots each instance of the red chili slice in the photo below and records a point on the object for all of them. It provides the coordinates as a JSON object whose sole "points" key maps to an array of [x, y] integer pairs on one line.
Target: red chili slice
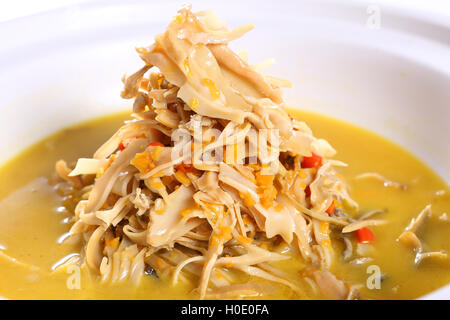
{"points": [[314, 161]]}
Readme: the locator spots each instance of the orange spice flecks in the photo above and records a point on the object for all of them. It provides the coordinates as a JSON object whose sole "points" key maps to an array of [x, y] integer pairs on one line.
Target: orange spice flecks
{"points": [[266, 190], [247, 220], [194, 103], [244, 240], [160, 206], [278, 207], [100, 172], [156, 184], [228, 264], [215, 240], [143, 50], [267, 195], [224, 233], [303, 185], [247, 198], [112, 242], [324, 227], [143, 162], [264, 179], [302, 174], [179, 19], [215, 93], [110, 161], [186, 66], [157, 150]]}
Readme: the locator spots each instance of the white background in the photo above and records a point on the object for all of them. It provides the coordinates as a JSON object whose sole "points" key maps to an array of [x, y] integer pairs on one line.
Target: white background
{"points": [[20, 8]]}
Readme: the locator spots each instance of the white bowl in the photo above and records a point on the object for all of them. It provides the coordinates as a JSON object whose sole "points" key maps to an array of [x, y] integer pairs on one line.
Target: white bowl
{"points": [[64, 66]]}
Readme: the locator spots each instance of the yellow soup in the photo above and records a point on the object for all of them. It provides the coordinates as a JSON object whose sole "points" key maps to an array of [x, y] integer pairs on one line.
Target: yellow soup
{"points": [[34, 220]]}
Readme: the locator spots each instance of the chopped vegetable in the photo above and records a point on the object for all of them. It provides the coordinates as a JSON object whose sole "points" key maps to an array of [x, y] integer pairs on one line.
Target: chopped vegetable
{"points": [[314, 161], [307, 191], [364, 235], [121, 146], [330, 209], [156, 144], [185, 168]]}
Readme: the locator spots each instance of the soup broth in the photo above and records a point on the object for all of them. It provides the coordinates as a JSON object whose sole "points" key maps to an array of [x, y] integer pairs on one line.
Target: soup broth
{"points": [[34, 220]]}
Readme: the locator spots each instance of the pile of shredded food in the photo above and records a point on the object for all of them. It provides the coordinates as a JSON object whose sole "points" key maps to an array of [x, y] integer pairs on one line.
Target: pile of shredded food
{"points": [[142, 206]]}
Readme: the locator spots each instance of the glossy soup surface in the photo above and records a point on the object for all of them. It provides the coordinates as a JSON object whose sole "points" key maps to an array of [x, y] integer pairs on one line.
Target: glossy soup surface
{"points": [[33, 218]]}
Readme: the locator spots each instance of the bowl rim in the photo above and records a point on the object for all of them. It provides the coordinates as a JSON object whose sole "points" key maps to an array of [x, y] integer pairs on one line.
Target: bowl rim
{"points": [[438, 29]]}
